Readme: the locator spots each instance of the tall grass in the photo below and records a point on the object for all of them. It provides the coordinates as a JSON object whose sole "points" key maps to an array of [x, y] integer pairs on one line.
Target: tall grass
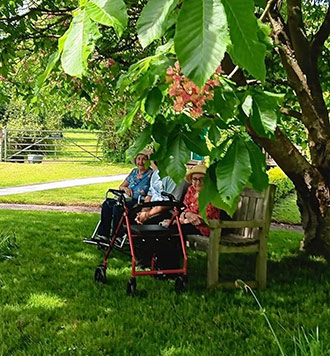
{"points": [[305, 344], [8, 245]]}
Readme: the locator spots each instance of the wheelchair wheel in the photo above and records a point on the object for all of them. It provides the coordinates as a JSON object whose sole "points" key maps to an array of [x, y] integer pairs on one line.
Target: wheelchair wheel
{"points": [[180, 284], [100, 274], [131, 286]]}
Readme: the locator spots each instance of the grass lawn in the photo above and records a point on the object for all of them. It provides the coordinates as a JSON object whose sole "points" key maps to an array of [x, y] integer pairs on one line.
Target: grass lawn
{"points": [[87, 195], [50, 304], [12, 174]]}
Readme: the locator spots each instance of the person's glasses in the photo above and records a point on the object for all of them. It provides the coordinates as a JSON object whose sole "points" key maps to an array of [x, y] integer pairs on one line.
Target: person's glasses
{"points": [[200, 180]]}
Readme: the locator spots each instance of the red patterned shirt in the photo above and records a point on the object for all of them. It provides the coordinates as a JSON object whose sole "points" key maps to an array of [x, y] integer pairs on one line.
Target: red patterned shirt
{"points": [[191, 203]]}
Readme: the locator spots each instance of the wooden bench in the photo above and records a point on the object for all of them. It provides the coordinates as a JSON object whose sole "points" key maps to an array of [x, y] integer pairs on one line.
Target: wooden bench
{"points": [[248, 234]]}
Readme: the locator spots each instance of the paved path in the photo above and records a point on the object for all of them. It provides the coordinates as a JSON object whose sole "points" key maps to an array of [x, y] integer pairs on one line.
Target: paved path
{"points": [[60, 184]]}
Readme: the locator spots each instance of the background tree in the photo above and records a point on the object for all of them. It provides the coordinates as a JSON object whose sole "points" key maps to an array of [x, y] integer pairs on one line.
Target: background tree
{"points": [[182, 91], [29, 34]]}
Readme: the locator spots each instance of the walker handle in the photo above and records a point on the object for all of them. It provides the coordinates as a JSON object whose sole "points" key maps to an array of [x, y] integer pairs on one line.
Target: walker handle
{"points": [[169, 196]]}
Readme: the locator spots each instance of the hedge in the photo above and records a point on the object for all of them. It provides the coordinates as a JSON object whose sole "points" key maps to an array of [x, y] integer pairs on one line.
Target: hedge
{"points": [[283, 183]]}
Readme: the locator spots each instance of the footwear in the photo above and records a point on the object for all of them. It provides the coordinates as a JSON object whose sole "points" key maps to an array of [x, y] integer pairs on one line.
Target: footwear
{"points": [[101, 238], [121, 240]]}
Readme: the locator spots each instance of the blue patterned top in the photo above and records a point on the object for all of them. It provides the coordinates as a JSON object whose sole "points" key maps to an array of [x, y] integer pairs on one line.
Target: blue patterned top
{"points": [[139, 186]]}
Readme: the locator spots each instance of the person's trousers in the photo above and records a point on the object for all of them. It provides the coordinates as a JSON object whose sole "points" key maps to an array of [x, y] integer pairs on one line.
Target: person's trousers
{"points": [[111, 213]]}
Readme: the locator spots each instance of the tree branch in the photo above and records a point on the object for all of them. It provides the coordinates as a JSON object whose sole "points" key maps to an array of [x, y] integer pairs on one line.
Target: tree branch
{"points": [[298, 35], [320, 37], [291, 113], [36, 11], [267, 9]]}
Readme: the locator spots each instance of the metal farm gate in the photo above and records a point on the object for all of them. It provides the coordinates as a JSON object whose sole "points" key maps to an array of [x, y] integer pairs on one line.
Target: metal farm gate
{"points": [[50, 146]]}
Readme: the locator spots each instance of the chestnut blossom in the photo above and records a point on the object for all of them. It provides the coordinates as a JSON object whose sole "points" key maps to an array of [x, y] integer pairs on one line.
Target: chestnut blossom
{"points": [[186, 94]]}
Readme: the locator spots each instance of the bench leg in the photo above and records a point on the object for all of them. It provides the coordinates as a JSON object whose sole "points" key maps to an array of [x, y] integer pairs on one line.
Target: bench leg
{"points": [[261, 265], [213, 258]]}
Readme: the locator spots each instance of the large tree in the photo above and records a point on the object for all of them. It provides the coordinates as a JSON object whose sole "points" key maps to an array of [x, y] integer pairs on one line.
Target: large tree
{"points": [[274, 64]]}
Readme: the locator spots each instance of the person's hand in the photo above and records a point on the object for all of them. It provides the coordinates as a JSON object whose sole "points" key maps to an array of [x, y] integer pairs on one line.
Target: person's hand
{"points": [[141, 217], [193, 218], [128, 191]]}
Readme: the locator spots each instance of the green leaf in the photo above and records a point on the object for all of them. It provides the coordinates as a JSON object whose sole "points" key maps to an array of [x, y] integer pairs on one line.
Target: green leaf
{"points": [[153, 101], [140, 143], [246, 50], [152, 22], [160, 131], [53, 59], [209, 194], [110, 13], [217, 152], [259, 177], [265, 112], [201, 38], [264, 34], [202, 123], [128, 119], [79, 44], [195, 143], [168, 47], [214, 134], [233, 171], [247, 105], [225, 101], [178, 156]]}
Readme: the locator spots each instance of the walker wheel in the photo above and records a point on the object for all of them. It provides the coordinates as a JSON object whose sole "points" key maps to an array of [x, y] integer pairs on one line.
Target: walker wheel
{"points": [[180, 284], [131, 286], [100, 274]]}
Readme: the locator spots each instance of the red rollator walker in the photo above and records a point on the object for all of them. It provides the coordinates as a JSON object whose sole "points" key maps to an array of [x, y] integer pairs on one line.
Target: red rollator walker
{"points": [[156, 250]]}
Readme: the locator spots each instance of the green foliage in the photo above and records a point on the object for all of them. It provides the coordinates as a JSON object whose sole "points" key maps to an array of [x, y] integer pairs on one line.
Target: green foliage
{"points": [[79, 44], [8, 246], [259, 178], [284, 185], [153, 101], [18, 116], [232, 178], [246, 50], [265, 113], [108, 13], [154, 20], [201, 38]]}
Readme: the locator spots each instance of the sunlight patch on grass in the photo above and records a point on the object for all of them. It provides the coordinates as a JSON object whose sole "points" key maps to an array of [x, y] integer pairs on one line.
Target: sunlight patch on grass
{"points": [[177, 351], [12, 174], [85, 256], [12, 307], [44, 301]]}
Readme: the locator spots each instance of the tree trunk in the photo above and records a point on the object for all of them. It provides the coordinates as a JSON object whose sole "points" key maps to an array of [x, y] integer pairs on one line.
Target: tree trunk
{"points": [[311, 179], [312, 191], [316, 226]]}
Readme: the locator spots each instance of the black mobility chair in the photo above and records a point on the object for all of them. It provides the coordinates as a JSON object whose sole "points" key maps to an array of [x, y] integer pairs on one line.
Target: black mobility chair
{"points": [[156, 250]]}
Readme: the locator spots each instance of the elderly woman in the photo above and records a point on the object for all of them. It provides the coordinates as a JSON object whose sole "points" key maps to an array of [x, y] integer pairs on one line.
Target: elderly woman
{"points": [[192, 222], [136, 185]]}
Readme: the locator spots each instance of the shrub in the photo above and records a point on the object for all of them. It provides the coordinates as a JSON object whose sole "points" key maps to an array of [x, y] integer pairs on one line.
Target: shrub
{"points": [[284, 185]]}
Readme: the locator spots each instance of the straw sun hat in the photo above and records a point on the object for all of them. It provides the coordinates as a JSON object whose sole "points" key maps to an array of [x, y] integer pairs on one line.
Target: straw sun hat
{"points": [[145, 153], [199, 169]]}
